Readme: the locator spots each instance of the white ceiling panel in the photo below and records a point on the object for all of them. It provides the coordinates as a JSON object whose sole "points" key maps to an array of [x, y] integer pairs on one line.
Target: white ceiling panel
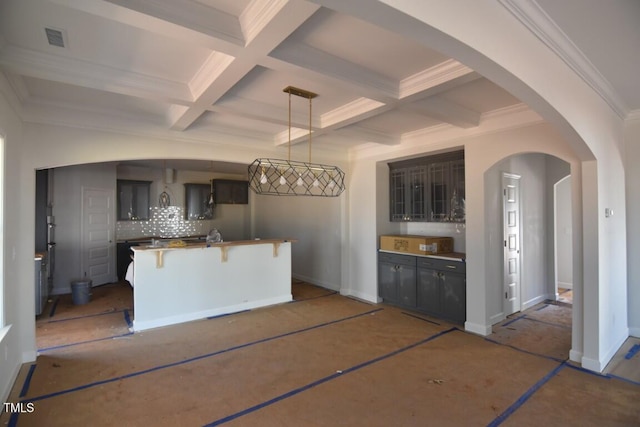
{"points": [[367, 45]]}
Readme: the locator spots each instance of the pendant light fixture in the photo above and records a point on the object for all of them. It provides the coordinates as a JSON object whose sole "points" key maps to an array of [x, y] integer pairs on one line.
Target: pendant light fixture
{"points": [[280, 177]]}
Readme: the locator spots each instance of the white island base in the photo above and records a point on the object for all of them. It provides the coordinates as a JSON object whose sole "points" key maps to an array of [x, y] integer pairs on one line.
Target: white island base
{"points": [[175, 285]]}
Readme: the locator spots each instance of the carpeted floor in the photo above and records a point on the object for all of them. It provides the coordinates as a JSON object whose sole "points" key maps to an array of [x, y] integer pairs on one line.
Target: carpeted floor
{"points": [[321, 360]]}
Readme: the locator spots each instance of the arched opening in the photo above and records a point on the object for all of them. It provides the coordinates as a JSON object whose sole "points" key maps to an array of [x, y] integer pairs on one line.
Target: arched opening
{"points": [[521, 271]]}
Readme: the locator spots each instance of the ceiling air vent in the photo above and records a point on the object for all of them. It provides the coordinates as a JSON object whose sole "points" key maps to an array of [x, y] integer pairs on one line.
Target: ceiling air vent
{"points": [[55, 37]]}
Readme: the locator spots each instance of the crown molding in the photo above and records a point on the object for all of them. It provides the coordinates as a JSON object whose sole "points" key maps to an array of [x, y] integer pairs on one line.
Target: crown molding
{"points": [[347, 111], [257, 15], [210, 70], [531, 14], [432, 77]]}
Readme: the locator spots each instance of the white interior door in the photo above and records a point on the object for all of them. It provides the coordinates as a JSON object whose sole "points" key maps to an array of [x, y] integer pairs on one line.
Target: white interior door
{"points": [[98, 254], [512, 238]]}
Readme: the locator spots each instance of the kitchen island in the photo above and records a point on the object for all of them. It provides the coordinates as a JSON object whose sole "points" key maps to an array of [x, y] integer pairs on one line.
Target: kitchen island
{"points": [[199, 280]]}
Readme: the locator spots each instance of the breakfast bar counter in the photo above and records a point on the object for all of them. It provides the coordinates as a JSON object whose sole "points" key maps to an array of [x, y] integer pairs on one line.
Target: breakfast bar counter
{"points": [[178, 282]]}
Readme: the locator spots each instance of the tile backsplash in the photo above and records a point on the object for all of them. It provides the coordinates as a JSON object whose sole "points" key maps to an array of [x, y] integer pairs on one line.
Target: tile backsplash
{"points": [[164, 223]]}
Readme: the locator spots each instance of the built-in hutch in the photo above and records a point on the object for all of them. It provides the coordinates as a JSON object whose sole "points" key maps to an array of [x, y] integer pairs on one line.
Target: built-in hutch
{"points": [[429, 188]]}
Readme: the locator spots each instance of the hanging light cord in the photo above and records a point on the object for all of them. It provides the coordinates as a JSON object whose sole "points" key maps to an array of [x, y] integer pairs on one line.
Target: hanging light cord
{"points": [[309, 129], [289, 158]]}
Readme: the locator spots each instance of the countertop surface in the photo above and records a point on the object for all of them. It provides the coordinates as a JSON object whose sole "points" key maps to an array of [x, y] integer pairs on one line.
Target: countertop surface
{"points": [[189, 245], [451, 256]]}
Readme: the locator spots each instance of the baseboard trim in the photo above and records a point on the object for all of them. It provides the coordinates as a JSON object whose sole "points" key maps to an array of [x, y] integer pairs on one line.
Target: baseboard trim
{"points": [[565, 285], [599, 365], [534, 301], [575, 356], [497, 318], [374, 299], [29, 356], [474, 328]]}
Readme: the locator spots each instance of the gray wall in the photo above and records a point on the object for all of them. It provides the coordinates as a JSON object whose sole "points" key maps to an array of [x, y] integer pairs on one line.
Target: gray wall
{"points": [[67, 207], [537, 283], [564, 235], [315, 222]]}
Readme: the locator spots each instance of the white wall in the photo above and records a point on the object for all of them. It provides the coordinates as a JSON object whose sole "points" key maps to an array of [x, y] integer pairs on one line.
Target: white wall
{"points": [[632, 172], [17, 345], [563, 246]]}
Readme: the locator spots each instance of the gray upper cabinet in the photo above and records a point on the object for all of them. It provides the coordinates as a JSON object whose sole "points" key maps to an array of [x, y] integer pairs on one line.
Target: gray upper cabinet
{"points": [[231, 192], [428, 188], [197, 202], [133, 200]]}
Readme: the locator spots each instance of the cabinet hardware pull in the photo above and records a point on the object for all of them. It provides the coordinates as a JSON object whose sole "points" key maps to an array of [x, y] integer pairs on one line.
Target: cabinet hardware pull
{"points": [[451, 266]]}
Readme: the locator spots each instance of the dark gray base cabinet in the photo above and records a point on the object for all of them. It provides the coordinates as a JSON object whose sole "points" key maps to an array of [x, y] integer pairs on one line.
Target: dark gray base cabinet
{"points": [[434, 286], [397, 279]]}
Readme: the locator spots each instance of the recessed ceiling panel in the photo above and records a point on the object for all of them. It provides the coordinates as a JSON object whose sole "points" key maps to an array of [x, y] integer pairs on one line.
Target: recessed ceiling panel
{"points": [[480, 95], [266, 87], [383, 52], [398, 122], [242, 124]]}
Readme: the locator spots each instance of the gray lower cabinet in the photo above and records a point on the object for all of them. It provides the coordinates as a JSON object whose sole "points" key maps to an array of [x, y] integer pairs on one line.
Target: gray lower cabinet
{"points": [[434, 286], [442, 288], [397, 279]]}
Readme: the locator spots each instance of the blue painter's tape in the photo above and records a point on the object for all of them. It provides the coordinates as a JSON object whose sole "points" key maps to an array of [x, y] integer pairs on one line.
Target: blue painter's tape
{"points": [[227, 314], [82, 342], [546, 323], [543, 307], [196, 358], [316, 297], [27, 381], [13, 419], [587, 371], [624, 379], [513, 320], [324, 380], [518, 403], [421, 318], [84, 317], [634, 350], [53, 307], [127, 318], [555, 359]]}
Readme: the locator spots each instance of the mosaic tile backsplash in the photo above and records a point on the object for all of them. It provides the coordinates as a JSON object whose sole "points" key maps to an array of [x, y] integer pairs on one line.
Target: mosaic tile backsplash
{"points": [[166, 223]]}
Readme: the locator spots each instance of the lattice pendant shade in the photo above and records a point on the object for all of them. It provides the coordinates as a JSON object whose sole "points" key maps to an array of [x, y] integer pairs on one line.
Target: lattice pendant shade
{"points": [[290, 178], [280, 177]]}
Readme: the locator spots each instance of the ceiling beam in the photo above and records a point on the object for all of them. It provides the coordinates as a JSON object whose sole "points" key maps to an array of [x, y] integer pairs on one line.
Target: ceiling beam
{"points": [[286, 17]]}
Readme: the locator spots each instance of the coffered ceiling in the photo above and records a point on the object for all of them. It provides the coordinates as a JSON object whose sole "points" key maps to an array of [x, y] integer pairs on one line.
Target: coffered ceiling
{"points": [[209, 69]]}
